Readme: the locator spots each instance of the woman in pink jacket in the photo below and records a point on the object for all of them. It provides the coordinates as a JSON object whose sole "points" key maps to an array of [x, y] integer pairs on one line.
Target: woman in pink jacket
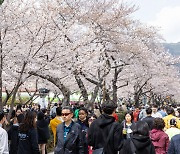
{"points": [[159, 138]]}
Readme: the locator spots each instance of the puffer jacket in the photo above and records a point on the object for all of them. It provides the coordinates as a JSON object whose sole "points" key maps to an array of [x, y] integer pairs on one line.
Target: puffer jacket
{"points": [[160, 141]]}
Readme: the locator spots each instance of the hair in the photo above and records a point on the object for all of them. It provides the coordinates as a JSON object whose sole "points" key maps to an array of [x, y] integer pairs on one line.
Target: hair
{"points": [[44, 110], [92, 115], [19, 106], [13, 114], [141, 128], [155, 106], [68, 108], [173, 122], [162, 107], [40, 115], [1, 115], [170, 110], [149, 111], [108, 107], [20, 118], [130, 113], [84, 109], [18, 109], [159, 123], [58, 111], [28, 121]]}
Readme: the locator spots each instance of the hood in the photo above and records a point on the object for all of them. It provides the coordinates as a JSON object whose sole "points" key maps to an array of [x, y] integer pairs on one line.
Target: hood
{"points": [[155, 135], [15, 127], [41, 123], [141, 141], [105, 120]]}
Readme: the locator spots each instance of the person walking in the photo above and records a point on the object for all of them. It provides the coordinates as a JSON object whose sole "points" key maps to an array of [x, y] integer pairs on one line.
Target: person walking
{"points": [[43, 131], [103, 128], [127, 124], [140, 142], [91, 117], [173, 130], [159, 138], [83, 122], [155, 112], [53, 111], [13, 133], [28, 142], [174, 147], [55, 122], [149, 119], [69, 135], [3, 135], [170, 112]]}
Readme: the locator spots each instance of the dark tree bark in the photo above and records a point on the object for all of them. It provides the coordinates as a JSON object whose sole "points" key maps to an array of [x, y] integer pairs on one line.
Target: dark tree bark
{"points": [[57, 82]]}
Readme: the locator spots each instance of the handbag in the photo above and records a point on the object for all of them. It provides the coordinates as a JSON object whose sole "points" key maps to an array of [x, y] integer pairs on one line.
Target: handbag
{"points": [[101, 150]]}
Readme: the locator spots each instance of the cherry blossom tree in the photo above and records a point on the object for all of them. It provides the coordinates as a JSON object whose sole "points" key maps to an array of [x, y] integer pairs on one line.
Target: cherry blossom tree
{"points": [[94, 47]]}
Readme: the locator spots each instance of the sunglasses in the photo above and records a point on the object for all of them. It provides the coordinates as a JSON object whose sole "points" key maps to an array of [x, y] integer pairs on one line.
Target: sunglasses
{"points": [[65, 114]]}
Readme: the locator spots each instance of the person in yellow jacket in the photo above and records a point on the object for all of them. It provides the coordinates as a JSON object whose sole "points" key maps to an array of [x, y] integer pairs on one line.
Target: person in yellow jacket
{"points": [[55, 122], [170, 112]]}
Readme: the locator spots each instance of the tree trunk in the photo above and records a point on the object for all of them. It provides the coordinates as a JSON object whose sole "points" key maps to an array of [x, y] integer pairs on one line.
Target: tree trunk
{"points": [[19, 83], [136, 99], [1, 61], [115, 86], [93, 98], [57, 82], [82, 88]]}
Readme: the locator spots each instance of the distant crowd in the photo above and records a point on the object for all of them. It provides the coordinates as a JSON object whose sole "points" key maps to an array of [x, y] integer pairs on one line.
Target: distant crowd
{"points": [[77, 130]]}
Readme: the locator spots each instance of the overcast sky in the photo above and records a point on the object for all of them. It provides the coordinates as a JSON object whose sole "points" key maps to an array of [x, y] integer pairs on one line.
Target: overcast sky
{"points": [[161, 13]]}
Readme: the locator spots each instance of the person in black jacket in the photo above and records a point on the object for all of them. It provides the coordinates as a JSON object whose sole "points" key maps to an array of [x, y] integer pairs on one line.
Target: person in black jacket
{"points": [[100, 128], [13, 134], [149, 119], [83, 122], [28, 142], [42, 131], [69, 135], [140, 142]]}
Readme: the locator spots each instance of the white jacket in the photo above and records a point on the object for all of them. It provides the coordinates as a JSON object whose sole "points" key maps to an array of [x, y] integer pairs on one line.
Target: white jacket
{"points": [[3, 141]]}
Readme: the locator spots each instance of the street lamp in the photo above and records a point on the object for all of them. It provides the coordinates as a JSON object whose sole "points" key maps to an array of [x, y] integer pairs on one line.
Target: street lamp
{"points": [[43, 93]]}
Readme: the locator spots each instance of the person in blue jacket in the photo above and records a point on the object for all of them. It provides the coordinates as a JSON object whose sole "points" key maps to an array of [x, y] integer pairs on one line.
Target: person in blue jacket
{"points": [[174, 147]]}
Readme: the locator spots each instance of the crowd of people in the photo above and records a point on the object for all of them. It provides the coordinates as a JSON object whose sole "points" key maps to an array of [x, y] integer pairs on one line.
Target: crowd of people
{"points": [[77, 130]]}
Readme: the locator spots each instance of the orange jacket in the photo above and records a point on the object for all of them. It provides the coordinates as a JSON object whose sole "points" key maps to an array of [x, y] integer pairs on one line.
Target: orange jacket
{"points": [[53, 124]]}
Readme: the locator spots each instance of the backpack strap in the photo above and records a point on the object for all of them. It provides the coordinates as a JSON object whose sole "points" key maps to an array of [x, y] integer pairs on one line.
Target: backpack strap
{"points": [[109, 135]]}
